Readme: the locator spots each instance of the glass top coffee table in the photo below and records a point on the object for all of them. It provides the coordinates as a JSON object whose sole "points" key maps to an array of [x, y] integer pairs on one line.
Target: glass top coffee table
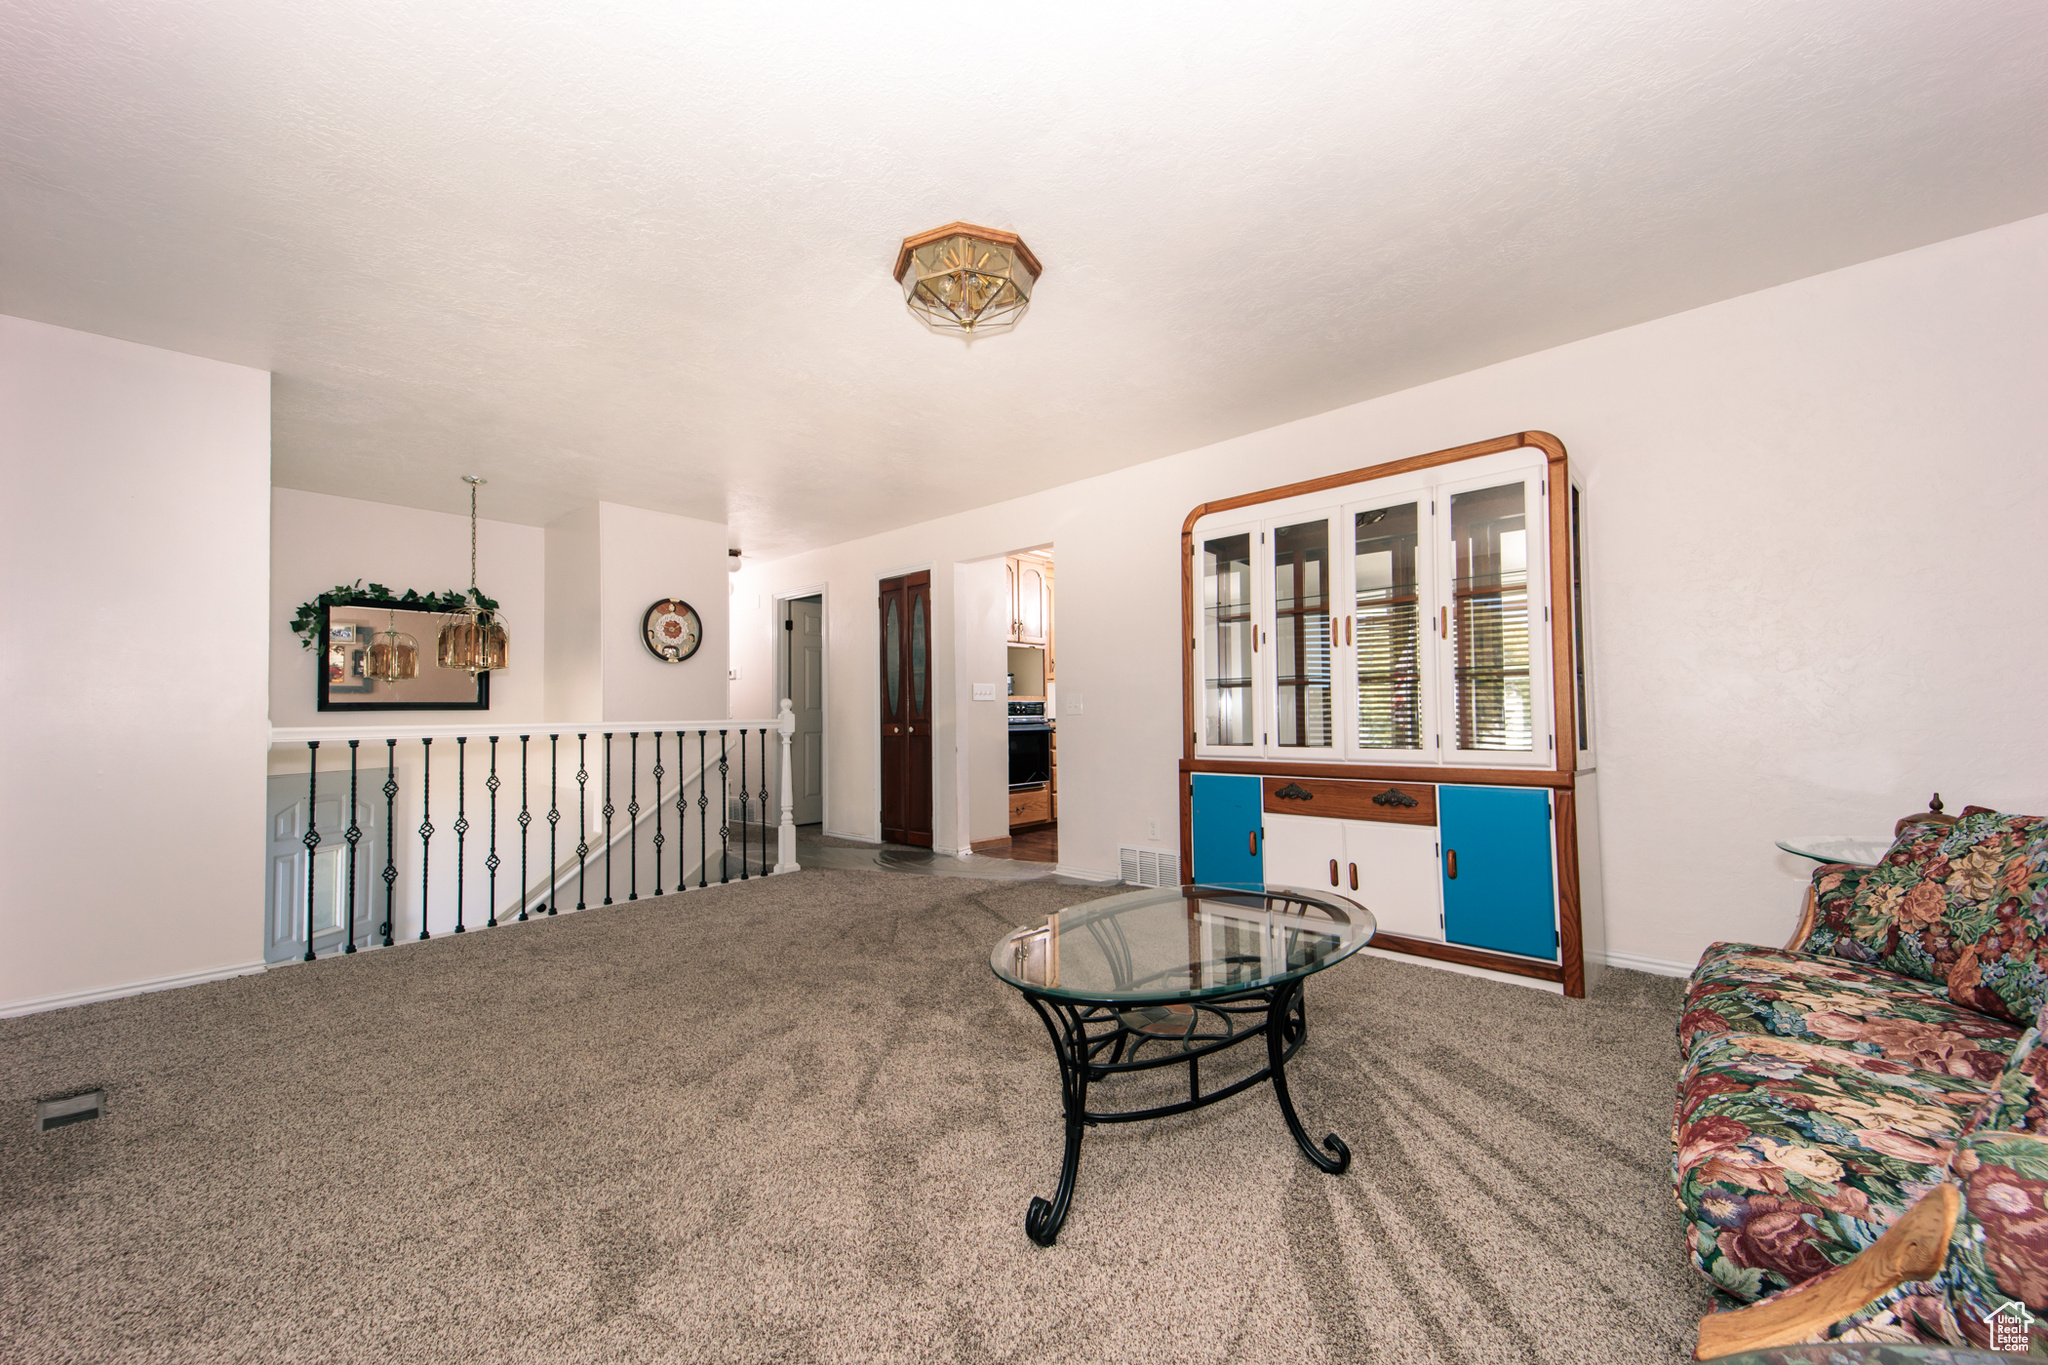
{"points": [[1167, 977]]}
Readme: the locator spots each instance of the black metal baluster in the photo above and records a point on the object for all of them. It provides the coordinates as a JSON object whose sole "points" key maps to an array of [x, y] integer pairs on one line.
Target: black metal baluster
{"points": [[633, 814], [744, 795], [724, 813], [607, 813], [553, 897], [582, 814], [491, 860], [390, 835], [682, 822], [354, 837], [764, 803], [703, 802], [311, 838], [525, 823], [657, 812], [461, 822], [426, 825]]}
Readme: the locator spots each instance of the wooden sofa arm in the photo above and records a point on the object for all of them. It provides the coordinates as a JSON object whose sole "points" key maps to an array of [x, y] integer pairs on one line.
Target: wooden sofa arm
{"points": [[1914, 1248], [1807, 910]]}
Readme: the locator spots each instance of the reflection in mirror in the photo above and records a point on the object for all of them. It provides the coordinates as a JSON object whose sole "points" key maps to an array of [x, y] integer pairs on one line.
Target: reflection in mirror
{"points": [[365, 638], [1490, 617], [1227, 621], [1389, 622]]}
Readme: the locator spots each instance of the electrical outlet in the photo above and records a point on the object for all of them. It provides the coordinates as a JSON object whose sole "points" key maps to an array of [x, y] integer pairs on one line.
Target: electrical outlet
{"points": [[1152, 830], [1070, 704]]}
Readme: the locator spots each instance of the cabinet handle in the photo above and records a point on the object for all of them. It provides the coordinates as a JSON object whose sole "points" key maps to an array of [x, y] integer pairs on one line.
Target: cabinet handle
{"points": [[1347, 630], [1443, 629], [1255, 639], [1354, 876], [1333, 871], [1451, 863], [1255, 843]]}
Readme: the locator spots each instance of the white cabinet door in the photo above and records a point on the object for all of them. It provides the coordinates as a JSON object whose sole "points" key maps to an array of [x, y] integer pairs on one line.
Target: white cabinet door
{"points": [[1304, 851], [1396, 875]]}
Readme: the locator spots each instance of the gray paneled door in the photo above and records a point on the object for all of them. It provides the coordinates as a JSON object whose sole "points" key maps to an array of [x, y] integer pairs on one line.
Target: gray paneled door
{"points": [[284, 918], [803, 682]]}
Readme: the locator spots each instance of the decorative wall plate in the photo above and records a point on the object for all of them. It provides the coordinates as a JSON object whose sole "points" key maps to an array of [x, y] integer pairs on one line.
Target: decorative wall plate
{"points": [[672, 630]]}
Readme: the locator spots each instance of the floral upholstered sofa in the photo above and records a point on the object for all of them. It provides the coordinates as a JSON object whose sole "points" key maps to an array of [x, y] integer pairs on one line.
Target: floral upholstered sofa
{"points": [[1861, 1135]]}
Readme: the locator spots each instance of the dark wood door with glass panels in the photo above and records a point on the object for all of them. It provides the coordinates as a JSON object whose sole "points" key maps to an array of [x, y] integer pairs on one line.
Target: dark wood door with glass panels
{"points": [[906, 605]]}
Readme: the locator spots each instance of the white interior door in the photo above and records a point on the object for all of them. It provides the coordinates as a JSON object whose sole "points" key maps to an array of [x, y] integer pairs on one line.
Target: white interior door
{"points": [[803, 676]]}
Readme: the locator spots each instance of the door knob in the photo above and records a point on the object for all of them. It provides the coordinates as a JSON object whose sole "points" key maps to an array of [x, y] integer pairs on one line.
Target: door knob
{"points": [[1451, 863]]}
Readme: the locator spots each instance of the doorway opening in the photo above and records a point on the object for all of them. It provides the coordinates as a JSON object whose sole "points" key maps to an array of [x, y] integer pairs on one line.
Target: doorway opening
{"points": [[1032, 653], [800, 676]]}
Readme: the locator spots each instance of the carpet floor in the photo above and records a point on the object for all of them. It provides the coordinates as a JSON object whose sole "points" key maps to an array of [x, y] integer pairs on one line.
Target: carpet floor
{"points": [[799, 1120]]}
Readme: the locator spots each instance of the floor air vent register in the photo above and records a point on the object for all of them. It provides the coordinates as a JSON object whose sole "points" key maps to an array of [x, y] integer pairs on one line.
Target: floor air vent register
{"points": [[61, 1111], [1148, 867]]}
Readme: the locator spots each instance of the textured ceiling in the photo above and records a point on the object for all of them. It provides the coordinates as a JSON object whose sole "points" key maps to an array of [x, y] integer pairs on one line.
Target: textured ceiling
{"points": [[641, 252]]}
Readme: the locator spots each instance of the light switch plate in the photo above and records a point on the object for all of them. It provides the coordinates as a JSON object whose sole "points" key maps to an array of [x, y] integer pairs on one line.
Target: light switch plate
{"points": [[1071, 704], [984, 691]]}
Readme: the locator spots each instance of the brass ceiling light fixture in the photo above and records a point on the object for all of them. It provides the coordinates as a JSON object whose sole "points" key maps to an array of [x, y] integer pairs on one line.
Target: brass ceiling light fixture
{"points": [[973, 281], [473, 636]]}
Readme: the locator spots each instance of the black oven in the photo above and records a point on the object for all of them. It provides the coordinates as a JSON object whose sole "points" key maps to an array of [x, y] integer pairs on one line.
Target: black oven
{"points": [[1030, 745]]}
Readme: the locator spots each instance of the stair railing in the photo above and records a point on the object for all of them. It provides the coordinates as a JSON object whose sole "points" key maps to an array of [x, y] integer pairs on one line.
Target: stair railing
{"points": [[684, 766]]}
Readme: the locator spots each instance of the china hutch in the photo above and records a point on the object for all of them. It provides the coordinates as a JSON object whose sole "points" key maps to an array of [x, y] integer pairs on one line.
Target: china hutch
{"points": [[1386, 694]]}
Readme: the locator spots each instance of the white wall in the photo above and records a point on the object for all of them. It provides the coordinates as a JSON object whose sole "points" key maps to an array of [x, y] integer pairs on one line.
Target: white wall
{"points": [[644, 557], [981, 616], [1813, 530], [134, 630], [318, 542], [575, 653]]}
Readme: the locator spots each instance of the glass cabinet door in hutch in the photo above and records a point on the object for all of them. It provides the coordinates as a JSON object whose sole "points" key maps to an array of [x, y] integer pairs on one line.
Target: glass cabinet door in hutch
{"points": [[1358, 642]]}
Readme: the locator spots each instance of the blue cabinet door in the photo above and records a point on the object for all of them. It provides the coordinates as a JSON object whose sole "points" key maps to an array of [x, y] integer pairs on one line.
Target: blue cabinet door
{"points": [[1495, 862], [1225, 812]]}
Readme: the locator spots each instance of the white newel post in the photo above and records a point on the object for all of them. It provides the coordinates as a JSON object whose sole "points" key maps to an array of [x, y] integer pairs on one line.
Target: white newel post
{"points": [[785, 833]]}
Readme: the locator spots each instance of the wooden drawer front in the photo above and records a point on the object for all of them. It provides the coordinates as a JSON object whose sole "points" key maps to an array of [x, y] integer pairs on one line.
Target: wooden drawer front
{"points": [[1399, 803], [1030, 808]]}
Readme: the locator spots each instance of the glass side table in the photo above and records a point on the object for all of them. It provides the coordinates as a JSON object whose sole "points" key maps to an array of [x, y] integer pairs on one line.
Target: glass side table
{"points": [[1167, 977], [1863, 850]]}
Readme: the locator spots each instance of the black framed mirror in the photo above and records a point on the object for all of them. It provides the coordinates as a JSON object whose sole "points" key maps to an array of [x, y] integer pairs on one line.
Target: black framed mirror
{"points": [[351, 632]]}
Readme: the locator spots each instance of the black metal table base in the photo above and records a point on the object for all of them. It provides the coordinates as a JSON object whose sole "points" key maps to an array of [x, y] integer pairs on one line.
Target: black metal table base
{"points": [[1097, 1041]]}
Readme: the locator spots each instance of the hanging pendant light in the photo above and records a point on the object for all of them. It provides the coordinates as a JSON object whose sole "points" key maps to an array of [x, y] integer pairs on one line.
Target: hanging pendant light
{"points": [[473, 636], [394, 655]]}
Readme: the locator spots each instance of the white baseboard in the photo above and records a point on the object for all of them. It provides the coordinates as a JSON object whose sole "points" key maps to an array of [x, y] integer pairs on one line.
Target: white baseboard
{"points": [[1655, 966], [162, 983], [1089, 874]]}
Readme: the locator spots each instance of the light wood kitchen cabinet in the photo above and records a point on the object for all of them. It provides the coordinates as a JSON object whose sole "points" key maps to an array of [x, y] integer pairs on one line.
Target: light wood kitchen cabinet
{"points": [[1032, 806], [1030, 583], [1050, 634]]}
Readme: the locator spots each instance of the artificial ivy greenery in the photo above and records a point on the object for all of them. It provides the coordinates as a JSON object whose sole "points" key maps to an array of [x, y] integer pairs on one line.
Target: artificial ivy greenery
{"points": [[306, 624]]}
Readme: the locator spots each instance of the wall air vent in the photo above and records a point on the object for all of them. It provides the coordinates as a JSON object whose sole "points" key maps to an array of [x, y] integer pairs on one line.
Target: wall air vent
{"points": [[63, 1110], [1149, 867]]}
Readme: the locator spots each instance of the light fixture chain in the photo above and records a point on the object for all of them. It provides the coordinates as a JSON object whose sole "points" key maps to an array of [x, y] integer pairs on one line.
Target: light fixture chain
{"points": [[472, 540]]}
